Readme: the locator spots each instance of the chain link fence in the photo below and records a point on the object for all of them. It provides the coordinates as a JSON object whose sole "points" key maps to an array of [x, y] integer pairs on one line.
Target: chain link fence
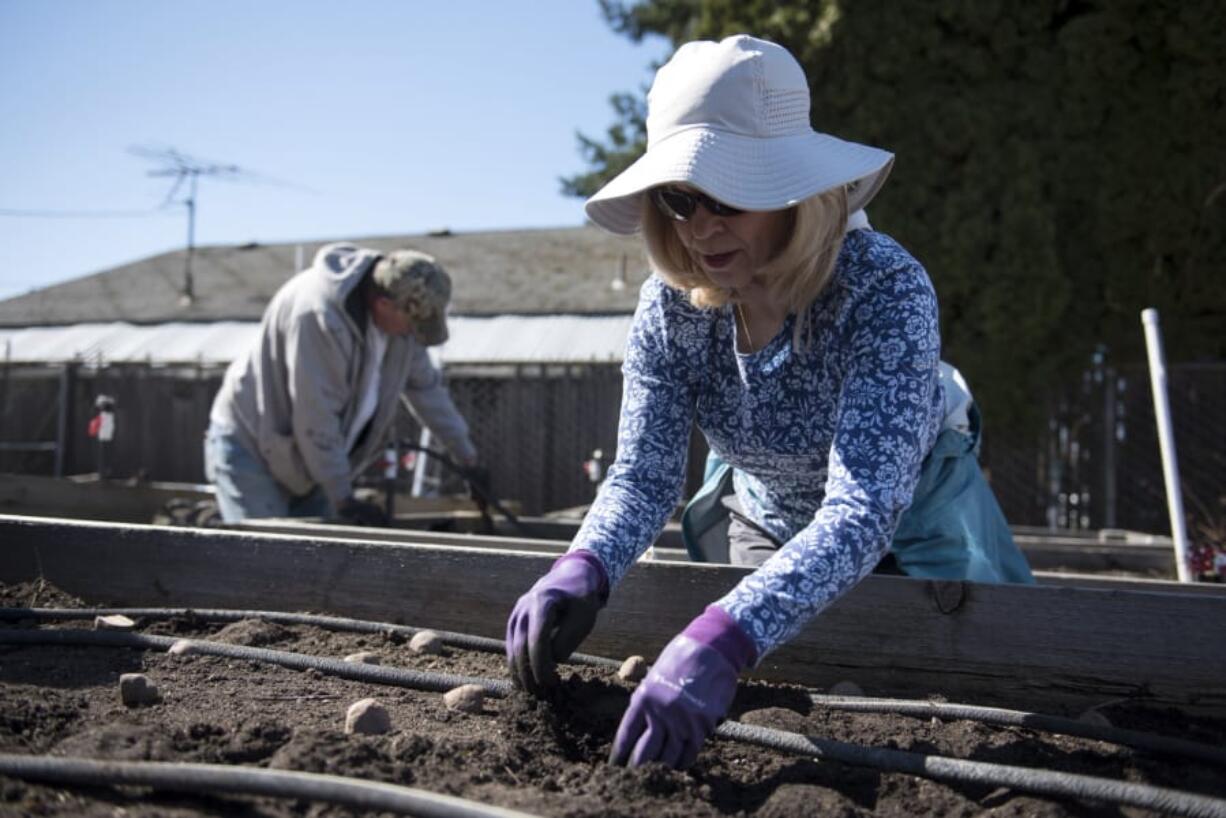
{"points": [[160, 417], [1095, 465], [535, 426]]}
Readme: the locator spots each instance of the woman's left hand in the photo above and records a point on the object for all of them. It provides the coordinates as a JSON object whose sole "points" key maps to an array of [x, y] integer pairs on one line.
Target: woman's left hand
{"points": [[685, 695]]}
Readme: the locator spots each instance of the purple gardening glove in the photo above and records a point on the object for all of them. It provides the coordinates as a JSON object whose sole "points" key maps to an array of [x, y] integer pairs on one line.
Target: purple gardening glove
{"points": [[550, 621], [686, 693]]}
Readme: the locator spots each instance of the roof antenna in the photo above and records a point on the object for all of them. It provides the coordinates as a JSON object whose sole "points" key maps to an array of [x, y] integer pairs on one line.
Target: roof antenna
{"points": [[185, 169]]}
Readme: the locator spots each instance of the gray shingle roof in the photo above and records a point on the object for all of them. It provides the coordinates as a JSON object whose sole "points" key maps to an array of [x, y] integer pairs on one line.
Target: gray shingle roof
{"points": [[532, 272]]}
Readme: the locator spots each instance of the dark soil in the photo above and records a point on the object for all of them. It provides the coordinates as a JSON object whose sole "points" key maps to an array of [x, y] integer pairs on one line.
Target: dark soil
{"points": [[541, 758]]}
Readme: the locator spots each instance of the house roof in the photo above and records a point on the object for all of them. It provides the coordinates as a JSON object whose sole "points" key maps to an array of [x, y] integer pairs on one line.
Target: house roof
{"points": [[578, 270], [495, 339]]}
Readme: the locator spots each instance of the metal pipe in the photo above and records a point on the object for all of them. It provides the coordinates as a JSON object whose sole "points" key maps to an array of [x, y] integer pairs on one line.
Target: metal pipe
{"points": [[419, 465], [1166, 440], [189, 289]]}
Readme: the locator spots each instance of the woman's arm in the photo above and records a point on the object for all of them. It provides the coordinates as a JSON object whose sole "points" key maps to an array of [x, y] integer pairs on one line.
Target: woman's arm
{"points": [[557, 613], [644, 483], [888, 416]]}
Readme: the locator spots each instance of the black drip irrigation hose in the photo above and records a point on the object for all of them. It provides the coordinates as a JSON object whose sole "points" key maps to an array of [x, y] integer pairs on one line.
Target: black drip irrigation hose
{"points": [[215, 778], [1035, 721], [1042, 782], [466, 641], [1150, 742], [357, 671]]}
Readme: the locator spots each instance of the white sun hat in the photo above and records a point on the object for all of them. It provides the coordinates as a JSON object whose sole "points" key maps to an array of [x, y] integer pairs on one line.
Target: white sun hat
{"points": [[732, 120]]}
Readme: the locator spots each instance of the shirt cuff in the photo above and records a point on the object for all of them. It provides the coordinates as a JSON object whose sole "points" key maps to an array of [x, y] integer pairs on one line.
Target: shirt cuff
{"points": [[716, 628], [592, 561]]}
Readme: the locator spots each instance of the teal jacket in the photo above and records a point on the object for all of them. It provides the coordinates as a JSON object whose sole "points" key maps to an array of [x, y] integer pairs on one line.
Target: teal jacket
{"points": [[953, 529]]}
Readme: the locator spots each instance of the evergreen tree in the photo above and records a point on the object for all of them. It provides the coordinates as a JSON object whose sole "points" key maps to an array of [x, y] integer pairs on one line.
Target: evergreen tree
{"points": [[1059, 164]]}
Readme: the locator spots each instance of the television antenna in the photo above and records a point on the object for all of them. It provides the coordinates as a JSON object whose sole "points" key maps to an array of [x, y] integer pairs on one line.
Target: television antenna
{"points": [[187, 170]]}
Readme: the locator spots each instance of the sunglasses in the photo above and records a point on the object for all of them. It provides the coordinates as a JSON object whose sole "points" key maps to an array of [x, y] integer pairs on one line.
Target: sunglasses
{"points": [[680, 205]]}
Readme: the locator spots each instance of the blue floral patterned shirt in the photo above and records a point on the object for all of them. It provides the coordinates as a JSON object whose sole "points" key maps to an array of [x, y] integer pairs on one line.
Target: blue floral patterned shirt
{"points": [[827, 439]]}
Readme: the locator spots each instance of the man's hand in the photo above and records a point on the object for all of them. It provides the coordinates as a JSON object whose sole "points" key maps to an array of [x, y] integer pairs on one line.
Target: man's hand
{"points": [[550, 621], [685, 695], [353, 511], [478, 479]]}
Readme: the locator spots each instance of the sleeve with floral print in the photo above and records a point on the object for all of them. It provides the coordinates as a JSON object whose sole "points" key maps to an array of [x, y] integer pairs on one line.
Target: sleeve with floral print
{"points": [[644, 482], [888, 415]]}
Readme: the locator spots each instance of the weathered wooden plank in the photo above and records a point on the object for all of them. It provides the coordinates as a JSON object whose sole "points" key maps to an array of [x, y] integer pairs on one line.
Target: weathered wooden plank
{"points": [[122, 501], [1024, 646], [138, 502], [1085, 555], [411, 536], [1103, 550], [1128, 583], [1096, 534], [114, 500], [503, 542]]}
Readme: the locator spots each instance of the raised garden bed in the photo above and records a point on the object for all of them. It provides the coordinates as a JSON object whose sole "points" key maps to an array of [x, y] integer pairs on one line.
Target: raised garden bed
{"points": [[543, 759]]}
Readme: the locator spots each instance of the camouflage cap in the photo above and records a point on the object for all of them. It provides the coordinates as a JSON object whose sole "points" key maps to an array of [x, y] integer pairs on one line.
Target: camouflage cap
{"points": [[421, 288]]}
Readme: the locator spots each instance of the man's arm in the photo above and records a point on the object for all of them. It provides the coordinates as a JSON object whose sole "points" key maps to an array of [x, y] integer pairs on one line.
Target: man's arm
{"points": [[431, 403]]}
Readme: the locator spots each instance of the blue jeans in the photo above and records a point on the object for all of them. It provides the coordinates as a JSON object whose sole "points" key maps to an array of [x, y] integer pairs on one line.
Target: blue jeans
{"points": [[245, 488]]}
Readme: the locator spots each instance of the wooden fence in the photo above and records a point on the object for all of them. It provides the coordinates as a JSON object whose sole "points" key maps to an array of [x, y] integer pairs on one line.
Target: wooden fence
{"points": [[534, 425], [1096, 465]]}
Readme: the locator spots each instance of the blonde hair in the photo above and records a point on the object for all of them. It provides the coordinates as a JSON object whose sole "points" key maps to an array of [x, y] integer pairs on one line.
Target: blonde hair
{"points": [[796, 274]]}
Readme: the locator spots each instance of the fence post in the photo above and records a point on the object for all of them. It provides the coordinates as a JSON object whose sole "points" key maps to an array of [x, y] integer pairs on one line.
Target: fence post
{"points": [[1053, 476], [63, 429], [1109, 475], [4, 379]]}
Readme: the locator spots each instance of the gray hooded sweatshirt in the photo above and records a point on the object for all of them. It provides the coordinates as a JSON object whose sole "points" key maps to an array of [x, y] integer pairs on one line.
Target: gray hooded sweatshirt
{"points": [[293, 398]]}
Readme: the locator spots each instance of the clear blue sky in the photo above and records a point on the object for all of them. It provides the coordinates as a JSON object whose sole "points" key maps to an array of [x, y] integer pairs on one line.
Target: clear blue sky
{"points": [[387, 118]]}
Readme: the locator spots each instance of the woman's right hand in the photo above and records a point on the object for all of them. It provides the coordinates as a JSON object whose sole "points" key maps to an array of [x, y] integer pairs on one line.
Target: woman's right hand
{"points": [[550, 621]]}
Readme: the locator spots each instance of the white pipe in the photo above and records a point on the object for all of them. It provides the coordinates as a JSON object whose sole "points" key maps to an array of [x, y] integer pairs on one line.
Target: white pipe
{"points": [[419, 465], [1166, 440]]}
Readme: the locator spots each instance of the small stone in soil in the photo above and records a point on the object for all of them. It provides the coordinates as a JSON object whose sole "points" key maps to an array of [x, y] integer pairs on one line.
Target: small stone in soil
{"points": [[633, 669], [367, 716], [113, 622], [181, 647], [135, 689], [364, 657], [466, 698], [426, 642], [1095, 718], [997, 797], [846, 688]]}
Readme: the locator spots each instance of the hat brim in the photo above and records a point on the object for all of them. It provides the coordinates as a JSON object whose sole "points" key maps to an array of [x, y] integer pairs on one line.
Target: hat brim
{"points": [[432, 331], [748, 173]]}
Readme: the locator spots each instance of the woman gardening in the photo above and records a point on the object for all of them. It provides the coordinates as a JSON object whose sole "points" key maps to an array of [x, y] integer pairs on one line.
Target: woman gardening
{"points": [[805, 346]]}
